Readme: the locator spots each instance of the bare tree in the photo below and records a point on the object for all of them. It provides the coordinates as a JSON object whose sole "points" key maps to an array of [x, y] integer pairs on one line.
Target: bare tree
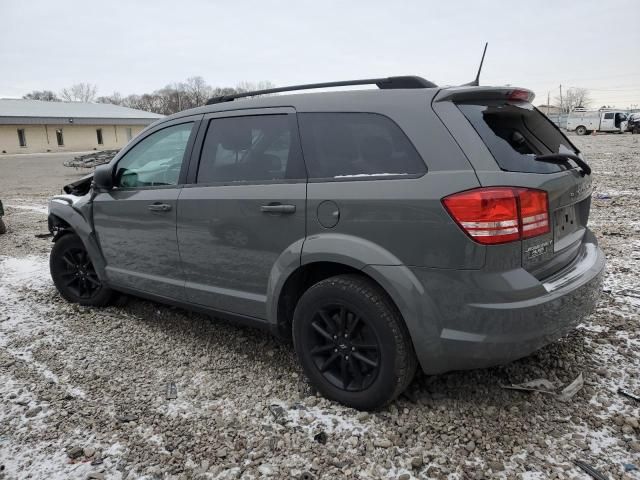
{"points": [[198, 91], [115, 99], [245, 86], [80, 92], [45, 95], [574, 98], [193, 92]]}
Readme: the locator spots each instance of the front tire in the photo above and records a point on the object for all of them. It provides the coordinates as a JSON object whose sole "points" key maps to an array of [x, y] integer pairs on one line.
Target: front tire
{"points": [[352, 342], [73, 273]]}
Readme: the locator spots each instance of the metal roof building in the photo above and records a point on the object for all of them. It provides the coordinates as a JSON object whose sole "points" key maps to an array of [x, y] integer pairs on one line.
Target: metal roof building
{"points": [[31, 126]]}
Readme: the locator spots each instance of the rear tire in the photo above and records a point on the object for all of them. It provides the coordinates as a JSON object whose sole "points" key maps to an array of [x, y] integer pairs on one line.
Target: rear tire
{"points": [[581, 130], [74, 275], [352, 342]]}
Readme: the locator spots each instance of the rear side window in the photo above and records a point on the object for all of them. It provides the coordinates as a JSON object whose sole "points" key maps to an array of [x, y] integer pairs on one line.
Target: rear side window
{"points": [[256, 148], [356, 145], [515, 134]]}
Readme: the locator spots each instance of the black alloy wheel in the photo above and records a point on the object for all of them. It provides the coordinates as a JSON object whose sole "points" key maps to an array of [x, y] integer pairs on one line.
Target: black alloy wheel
{"points": [[352, 342], [74, 274], [344, 347], [79, 275]]}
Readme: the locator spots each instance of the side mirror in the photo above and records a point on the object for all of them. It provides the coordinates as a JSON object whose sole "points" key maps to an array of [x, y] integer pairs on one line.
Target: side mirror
{"points": [[103, 177]]}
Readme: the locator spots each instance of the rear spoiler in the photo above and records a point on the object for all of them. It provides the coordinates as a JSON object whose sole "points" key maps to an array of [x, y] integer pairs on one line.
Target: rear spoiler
{"points": [[469, 93]]}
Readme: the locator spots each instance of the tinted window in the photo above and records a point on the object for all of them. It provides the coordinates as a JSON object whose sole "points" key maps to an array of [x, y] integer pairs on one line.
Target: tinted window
{"points": [[251, 149], [156, 160], [351, 145], [608, 116], [515, 134]]}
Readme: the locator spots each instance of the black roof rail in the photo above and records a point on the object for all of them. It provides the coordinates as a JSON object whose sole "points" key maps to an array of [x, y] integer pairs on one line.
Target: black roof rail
{"points": [[382, 83]]}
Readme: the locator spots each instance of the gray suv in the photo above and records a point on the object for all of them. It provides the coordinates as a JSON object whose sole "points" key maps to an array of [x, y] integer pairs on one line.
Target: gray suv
{"points": [[380, 229]]}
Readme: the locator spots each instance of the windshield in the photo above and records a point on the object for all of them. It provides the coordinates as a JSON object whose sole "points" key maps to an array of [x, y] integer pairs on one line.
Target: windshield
{"points": [[516, 133]]}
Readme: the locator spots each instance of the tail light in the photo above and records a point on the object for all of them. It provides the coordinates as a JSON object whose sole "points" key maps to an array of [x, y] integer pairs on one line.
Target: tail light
{"points": [[500, 214]]}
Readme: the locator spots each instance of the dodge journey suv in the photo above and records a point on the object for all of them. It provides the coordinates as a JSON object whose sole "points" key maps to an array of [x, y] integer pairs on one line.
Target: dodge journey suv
{"points": [[379, 229]]}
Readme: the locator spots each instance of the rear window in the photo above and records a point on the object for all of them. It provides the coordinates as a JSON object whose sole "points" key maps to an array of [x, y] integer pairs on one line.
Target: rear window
{"points": [[356, 146], [516, 133]]}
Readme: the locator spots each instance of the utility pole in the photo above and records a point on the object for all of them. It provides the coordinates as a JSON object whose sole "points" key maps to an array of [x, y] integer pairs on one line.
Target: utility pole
{"points": [[547, 104], [561, 104]]}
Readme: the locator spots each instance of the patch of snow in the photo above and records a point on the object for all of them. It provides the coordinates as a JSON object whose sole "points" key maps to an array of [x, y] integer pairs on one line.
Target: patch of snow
{"points": [[33, 208]]}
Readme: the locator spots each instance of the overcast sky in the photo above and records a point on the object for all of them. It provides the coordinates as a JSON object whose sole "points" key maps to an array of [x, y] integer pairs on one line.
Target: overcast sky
{"points": [[140, 46]]}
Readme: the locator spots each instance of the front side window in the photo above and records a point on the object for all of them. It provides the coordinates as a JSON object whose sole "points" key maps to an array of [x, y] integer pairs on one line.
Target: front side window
{"points": [[59, 137], [156, 160], [22, 139], [356, 145], [255, 148]]}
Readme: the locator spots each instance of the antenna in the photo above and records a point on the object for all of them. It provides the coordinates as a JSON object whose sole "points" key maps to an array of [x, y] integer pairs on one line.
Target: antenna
{"points": [[476, 81]]}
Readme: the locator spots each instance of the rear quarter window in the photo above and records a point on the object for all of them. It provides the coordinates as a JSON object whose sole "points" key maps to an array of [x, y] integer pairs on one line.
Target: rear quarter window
{"points": [[351, 146], [516, 133]]}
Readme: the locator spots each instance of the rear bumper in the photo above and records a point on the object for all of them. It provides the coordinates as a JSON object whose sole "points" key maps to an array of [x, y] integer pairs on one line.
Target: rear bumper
{"points": [[490, 318]]}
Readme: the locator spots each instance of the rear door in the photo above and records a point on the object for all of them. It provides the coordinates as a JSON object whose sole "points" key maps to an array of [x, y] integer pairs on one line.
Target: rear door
{"points": [[512, 134], [244, 208]]}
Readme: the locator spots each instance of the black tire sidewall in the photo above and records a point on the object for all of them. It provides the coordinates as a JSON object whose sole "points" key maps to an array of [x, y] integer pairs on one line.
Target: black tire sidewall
{"points": [[378, 314], [56, 267]]}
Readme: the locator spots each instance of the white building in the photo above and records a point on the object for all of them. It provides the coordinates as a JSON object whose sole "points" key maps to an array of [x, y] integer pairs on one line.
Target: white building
{"points": [[33, 126]]}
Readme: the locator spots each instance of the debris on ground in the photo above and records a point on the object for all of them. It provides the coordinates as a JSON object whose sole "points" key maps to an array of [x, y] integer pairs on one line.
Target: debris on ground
{"points": [[91, 160], [542, 385], [570, 390], [590, 470], [628, 394]]}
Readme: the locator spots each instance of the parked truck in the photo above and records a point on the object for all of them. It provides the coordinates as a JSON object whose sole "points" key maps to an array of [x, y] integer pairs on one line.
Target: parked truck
{"points": [[584, 122]]}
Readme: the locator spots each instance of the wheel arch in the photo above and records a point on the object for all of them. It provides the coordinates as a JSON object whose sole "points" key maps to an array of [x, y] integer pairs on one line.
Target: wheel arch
{"points": [[64, 219], [341, 255]]}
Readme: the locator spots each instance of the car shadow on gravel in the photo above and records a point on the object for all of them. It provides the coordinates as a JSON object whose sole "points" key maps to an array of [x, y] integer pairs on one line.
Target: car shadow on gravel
{"points": [[560, 362]]}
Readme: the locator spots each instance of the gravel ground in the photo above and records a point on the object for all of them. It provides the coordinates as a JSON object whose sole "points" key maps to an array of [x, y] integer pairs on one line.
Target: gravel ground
{"points": [[84, 392]]}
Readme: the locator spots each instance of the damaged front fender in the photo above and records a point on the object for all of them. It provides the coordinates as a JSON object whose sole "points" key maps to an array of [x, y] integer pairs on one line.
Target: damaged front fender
{"points": [[73, 214]]}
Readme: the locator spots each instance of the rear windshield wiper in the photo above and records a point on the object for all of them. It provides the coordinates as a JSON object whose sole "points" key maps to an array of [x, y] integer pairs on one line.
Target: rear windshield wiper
{"points": [[564, 158]]}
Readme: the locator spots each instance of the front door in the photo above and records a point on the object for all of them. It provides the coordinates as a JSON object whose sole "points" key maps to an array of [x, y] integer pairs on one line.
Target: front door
{"points": [[607, 122], [135, 222], [245, 209]]}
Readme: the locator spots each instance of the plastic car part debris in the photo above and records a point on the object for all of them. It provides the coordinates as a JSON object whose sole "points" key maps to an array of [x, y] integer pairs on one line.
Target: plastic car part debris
{"points": [[570, 390], [541, 385], [172, 391], [629, 467], [43, 235], [590, 470], [628, 394]]}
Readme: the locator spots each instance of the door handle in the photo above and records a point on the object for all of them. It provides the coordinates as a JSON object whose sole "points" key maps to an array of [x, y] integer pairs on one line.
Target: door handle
{"points": [[278, 208], [159, 207]]}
